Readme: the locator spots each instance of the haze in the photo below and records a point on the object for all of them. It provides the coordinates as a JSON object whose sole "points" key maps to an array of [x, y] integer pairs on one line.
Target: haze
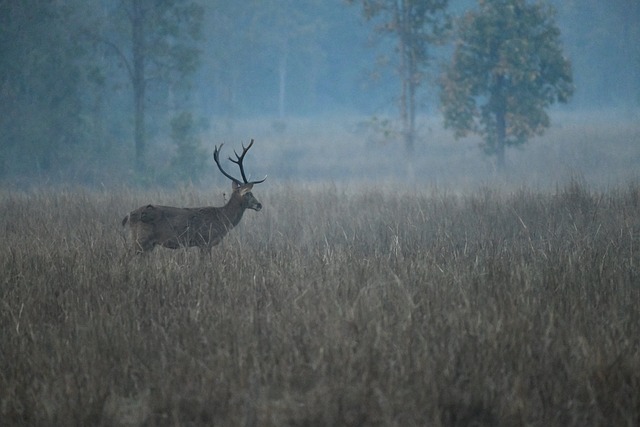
{"points": [[305, 80]]}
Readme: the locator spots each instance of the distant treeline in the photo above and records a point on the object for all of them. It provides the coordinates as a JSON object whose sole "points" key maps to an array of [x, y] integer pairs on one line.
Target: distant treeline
{"points": [[86, 85]]}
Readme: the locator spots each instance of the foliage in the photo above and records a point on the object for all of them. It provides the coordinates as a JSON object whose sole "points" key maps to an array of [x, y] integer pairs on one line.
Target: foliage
{"points": [[159, 51], [417, 25], [506, 70], [40, 84], [375, 308], [67, 95], [55, 77]]}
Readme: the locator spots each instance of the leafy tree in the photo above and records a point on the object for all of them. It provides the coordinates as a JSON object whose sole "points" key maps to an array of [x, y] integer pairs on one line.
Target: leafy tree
{"points": [[155, 41], [417, 25], [507, 68]]}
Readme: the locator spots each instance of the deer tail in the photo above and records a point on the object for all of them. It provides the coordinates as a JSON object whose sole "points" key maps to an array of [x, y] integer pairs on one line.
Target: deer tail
{"points": [[125, 220]]}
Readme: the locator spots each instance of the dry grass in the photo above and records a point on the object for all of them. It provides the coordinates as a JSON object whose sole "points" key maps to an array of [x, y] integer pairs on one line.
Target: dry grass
{"points": [[327, 308]]}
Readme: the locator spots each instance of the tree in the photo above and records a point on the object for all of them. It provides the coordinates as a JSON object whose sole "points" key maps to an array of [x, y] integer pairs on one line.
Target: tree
{"points": [[158, 48], [417, 25], [40, 87], [507, 68], [286, 32], [189, 162]]}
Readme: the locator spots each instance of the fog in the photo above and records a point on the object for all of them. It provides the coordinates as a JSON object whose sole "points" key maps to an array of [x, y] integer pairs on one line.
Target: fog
{"points": [[309, 80]]}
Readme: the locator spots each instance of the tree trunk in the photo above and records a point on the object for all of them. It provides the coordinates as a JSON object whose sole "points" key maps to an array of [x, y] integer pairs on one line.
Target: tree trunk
{"points": [[413, 87], [500, 139], [404, 105], [138, 83], [501, 126], [407, 94], [282, 80], [407, 74]]}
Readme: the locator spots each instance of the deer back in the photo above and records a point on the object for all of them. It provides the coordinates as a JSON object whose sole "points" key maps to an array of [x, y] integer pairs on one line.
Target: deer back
{"points": [[173, 227]]}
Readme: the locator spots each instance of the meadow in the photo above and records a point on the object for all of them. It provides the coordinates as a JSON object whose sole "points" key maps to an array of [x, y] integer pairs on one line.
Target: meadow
{"points": [[359, 306]]}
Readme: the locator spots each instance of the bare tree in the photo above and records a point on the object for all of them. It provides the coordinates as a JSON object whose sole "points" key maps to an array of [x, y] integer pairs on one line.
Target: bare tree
{"points": [[155, 42], [416, 25]]}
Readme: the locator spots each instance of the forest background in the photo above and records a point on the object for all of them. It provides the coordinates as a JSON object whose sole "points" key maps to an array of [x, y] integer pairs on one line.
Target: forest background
{"points": [[307, 79]]}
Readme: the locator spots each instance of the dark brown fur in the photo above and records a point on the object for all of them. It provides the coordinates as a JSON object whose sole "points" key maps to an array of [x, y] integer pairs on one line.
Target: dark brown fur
{"points": [[173, 227]]}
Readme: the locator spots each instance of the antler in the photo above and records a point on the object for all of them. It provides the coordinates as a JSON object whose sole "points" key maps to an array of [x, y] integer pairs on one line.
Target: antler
{"points": [[238, 161]]}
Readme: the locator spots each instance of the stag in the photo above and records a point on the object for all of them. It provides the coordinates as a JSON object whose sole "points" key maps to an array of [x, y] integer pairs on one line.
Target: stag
{"points": [[204, 227]]}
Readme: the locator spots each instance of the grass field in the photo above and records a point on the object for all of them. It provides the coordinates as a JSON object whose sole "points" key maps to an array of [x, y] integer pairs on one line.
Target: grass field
{"points": [[329, 307]]}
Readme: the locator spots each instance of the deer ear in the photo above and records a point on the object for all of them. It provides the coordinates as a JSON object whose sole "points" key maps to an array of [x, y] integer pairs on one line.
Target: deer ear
{"points": [[235, 186]]}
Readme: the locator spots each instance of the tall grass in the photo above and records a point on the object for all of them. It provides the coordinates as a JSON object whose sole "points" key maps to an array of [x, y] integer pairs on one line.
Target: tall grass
{"points": [[329, 307]]}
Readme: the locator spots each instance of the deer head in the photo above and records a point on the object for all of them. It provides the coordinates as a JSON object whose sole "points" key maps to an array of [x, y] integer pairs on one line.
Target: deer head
{"points": [[241, 190]]}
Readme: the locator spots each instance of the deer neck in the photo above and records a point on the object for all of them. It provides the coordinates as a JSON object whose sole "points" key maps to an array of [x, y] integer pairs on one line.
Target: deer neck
{"points": [[233, 210]]}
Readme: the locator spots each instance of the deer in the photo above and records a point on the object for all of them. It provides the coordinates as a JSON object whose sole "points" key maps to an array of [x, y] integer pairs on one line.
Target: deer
{"points": [[204, 227]]}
